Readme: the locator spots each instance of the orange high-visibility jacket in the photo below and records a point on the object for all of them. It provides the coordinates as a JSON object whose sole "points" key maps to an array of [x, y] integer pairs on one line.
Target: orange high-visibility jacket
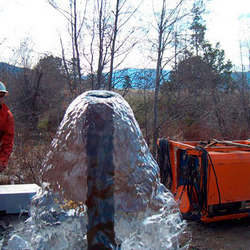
{"points": [[6, 134]]}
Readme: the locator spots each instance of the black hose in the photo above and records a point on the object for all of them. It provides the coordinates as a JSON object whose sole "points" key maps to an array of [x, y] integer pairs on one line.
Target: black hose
{"points": [[163, 159], [216, 179], [205, 156]]}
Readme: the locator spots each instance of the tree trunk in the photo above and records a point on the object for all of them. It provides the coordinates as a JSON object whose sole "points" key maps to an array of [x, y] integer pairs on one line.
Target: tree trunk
{"points": [[157, 79], [113, 46]]}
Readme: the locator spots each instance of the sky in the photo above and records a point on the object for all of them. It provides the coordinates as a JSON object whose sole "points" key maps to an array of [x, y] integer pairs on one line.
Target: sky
{"points": [[227, 21]]}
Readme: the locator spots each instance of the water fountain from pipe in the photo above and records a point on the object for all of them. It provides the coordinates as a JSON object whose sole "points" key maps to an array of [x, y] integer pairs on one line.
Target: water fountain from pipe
{"points": [[99, 158]]}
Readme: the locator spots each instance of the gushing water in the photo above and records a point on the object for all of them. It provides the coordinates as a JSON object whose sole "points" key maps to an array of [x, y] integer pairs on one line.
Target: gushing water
{"points": [[102, 185]]}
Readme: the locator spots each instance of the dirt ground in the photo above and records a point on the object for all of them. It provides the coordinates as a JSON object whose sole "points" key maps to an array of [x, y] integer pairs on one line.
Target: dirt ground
{"points": [[223, 235]]}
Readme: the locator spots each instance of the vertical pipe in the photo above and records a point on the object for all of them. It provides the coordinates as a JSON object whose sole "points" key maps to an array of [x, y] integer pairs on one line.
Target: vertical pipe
{"points": [[100, 179]]}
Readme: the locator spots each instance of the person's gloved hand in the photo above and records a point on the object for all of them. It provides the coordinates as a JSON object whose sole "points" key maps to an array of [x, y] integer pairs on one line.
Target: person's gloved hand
{"points": [[2, 167]]}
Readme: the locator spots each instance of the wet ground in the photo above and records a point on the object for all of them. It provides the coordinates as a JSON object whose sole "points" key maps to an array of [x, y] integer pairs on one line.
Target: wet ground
{"points": [[7, 225], [223, 235]]}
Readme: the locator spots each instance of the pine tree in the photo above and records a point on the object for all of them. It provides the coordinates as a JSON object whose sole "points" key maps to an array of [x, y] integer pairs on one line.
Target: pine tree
{"points": [[198, 26]]}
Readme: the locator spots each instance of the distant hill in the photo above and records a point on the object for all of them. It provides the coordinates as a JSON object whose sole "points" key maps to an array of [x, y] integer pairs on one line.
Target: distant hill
{"points": [[5, 67], [238, 76], [145, 78], [128, 77], [136, 78]]}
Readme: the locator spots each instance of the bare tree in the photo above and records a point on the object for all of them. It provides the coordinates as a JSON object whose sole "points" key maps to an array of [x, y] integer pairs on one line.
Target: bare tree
{"points": [[24, 53], [118, 25], [164, 28], [114, 35], [111, 32], [106, 37], [75, 17], [102, 26]]}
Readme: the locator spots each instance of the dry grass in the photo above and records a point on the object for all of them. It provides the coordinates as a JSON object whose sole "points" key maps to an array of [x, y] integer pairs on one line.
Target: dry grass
{"points": [[25, 163]]}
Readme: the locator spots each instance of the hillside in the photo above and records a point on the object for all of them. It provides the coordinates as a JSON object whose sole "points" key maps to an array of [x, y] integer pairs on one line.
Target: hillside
{"points": [[8, 68], [126, 78], [136, 78], [144, 78]]}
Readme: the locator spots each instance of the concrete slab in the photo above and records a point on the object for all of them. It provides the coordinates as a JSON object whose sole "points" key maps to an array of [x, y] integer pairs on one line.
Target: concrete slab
{"points": [[16, 198]]}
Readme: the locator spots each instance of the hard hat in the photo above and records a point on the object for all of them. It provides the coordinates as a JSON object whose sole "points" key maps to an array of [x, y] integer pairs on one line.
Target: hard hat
{"points": [[3, 88]]}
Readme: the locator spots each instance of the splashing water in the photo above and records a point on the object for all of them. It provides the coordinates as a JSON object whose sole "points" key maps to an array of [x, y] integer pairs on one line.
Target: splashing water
{"points": [[99, 172]]}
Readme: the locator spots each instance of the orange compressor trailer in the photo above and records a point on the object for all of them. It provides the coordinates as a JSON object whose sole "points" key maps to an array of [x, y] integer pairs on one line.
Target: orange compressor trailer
{"points": [[209, 180]]}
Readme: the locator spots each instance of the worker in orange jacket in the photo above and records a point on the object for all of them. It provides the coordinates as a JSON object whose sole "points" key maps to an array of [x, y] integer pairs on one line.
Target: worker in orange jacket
{"points": [[6, 129]]}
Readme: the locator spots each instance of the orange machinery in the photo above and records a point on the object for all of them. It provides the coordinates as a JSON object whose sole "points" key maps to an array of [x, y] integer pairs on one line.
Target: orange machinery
{"points": [[210, 181]]}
